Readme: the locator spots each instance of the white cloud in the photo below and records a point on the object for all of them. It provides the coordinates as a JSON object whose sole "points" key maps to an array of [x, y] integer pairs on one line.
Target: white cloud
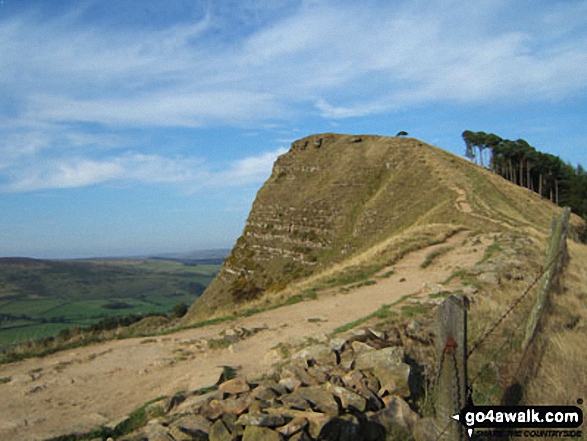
{"points": [[187, 173], [158, 109], [247, 170], [321, 52], [330, 111], [335, 59]]}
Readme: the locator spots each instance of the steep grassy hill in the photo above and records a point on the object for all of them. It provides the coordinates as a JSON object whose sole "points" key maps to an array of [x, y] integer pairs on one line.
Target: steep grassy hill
{"points": [[336, 205]]}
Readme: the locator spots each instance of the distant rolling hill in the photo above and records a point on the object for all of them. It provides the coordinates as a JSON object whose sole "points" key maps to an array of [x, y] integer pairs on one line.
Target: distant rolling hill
{"points": [[40, 297], [199, 256]]}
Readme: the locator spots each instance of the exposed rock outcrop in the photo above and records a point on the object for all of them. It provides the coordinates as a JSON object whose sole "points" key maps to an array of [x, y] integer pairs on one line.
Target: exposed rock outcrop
{"points": [[333, 196], [315, 397]]}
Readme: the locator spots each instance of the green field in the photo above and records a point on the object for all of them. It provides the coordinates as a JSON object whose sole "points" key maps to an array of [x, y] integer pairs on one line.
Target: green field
{"points": [[38, 298]]}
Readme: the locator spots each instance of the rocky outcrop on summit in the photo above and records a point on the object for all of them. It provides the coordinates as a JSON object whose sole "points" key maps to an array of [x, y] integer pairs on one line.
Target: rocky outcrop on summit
{"points": [[333, 196]]}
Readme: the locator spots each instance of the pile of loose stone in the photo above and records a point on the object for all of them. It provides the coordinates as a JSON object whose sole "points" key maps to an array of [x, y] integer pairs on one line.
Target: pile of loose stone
{"points": [[352, 388]]}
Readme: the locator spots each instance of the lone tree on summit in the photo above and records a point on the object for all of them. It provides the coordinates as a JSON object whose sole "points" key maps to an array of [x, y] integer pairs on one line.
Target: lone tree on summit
{"points": [[402, 133]]}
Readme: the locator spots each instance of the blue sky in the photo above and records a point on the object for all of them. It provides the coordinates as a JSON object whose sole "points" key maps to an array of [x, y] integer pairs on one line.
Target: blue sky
{"points": [[142, 126]]}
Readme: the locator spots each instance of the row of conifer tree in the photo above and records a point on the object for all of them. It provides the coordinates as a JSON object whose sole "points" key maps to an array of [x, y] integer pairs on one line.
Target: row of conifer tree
{"points": [[520, 163]]}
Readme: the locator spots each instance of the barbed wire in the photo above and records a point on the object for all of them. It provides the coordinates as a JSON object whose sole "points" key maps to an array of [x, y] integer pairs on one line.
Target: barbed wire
{"points": [[492, 328], [483, 337]]}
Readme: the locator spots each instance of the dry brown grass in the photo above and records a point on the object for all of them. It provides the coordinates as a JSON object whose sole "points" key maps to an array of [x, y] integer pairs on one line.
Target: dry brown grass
{"points": [[562, 373], [492, 365], [375, 201], [363, 265]]}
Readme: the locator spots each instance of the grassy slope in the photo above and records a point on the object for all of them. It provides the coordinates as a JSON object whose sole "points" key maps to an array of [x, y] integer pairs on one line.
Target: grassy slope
{"points": [[43, 297], [560, 375], [381, 197], [436, 194]]}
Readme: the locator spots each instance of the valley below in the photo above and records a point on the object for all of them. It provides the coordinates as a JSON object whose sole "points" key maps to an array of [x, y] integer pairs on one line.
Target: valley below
{"points": [[41, 298]]}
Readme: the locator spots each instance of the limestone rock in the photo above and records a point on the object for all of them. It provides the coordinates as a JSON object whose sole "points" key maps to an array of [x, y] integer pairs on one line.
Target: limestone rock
{"points": [[318, 353], [388, 366], [337, 344], [317, 422], [213, 410], [295, 400], [349, 400], [179, 435], [318, 374], [260, 419], [219, 432], [360, 348], [290, 383], [236, 405], [276, 387], [230, 421], [193, 425], [294, 426], [235, 386], [157, 432], [374, 403], [396, 413], [353, 378], [386, 356], [320, 398], [264, 392], [372, 382], [258, 405], [347, 361], [301, 436], [257, 433], [378, 334], [293, 371], [197, 402]]}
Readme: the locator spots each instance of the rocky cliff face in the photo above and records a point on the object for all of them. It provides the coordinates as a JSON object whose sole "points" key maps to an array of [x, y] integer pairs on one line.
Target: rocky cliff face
{"points": [[332, 196], [327, 198]]}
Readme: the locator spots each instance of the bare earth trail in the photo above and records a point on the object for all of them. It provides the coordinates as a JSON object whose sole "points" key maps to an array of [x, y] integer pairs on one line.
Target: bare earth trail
{"points": [[80, 389]]}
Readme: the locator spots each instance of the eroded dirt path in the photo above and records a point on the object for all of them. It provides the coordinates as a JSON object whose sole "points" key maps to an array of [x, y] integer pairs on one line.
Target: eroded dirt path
{"points": [[78, 390]]}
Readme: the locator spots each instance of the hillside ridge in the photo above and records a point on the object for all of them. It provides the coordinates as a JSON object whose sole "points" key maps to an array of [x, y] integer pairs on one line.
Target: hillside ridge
{"points": [[332, 197], [428, 227]]}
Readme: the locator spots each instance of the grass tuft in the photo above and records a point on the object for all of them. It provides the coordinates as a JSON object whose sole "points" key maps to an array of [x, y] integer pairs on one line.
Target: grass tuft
{"points": [[456, 275], [413, 309], [434, 254], [490, 251], [218, 343], [382, 313], [387, 274]]}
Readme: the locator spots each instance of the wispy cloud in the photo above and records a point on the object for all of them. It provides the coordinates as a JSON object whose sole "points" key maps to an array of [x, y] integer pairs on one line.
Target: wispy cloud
{"points": [[188, 174], [158, 109], [320, 52], [334, 59], [247, 170]]}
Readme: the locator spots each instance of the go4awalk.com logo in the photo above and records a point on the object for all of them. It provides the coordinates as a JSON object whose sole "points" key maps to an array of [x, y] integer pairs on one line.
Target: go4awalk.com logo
{"points": [[522, 421]]}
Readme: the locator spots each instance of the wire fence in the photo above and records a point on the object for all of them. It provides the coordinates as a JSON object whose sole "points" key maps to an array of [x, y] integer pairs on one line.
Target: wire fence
{"points": [[556, 259]]}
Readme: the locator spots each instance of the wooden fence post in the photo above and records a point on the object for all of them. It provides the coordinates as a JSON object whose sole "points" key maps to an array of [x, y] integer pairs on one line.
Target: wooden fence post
{"points": [[451, 385], [556, 258]]}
